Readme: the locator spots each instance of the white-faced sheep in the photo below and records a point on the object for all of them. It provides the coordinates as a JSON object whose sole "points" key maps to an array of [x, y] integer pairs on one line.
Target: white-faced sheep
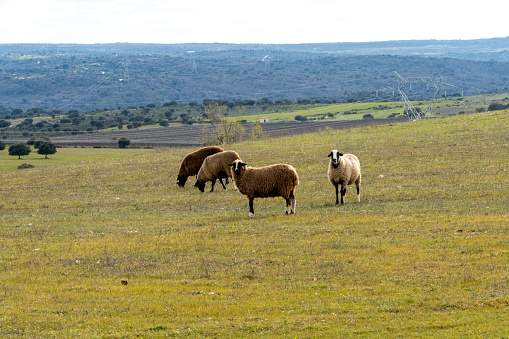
{"points": [[193, 161], [262, 182], [215, 167], [344, 169]]}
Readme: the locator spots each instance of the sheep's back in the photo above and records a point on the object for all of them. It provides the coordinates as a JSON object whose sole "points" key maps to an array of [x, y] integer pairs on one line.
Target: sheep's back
{"points": [[270, 181], [193, 161], [216, 166]]}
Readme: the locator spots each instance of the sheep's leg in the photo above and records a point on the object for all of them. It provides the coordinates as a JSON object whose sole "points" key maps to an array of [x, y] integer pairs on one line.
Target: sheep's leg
{"points": [[337, 192], [251, 209], [292, 198], [221, 181], [213, 184], [358, 193], [343, 192], [288, 206]]}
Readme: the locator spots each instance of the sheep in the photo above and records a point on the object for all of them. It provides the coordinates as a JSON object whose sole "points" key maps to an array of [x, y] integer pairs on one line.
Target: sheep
{"points": [[193, 161], [262, 182], [344, 169], [215, 167]]}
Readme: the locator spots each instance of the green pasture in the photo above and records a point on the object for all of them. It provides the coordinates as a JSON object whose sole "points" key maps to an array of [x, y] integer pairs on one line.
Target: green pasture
{"points": [[66, 156], [347, 111], [100, 243]]}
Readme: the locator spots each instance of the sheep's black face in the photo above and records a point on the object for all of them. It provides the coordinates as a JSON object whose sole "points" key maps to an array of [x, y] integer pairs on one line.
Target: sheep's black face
{"points": [[200, 185], [181, 181], [237, 166], [334, 155]]}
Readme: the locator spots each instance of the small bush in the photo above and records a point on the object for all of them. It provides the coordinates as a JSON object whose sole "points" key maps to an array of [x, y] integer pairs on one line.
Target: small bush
{"points": [[23, 166]]}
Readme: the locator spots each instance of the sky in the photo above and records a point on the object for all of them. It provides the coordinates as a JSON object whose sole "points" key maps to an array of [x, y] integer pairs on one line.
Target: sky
{"points": [[247, 21]]}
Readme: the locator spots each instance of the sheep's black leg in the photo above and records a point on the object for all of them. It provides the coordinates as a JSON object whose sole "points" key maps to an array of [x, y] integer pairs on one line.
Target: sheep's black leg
{"points": [[337, 192], [292, 203], [358, 194], [288, 206], [251, 209], [343, 192], [221, 181], [213, 183]]}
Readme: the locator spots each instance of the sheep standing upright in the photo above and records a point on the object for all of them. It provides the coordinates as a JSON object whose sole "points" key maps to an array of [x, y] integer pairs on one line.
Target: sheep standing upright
{"points": [[214, 167], [193, 161], [344, 169], [262, 182]]}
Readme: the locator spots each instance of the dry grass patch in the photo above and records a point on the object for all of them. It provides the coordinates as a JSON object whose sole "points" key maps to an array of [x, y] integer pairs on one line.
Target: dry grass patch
{"points": [[110, 247]]}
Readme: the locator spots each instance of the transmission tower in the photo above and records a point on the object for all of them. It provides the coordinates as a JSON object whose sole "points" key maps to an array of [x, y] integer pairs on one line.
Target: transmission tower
{"points": [[434, 83], [194, 61]]}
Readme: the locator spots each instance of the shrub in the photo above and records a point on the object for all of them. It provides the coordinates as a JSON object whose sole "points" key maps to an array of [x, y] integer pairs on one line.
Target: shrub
{"points": [[123, 142], [301, 118], [496, 106]]}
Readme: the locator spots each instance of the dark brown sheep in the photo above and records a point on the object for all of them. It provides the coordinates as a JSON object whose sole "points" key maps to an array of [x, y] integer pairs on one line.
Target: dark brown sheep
{"points": [[193, 161]]}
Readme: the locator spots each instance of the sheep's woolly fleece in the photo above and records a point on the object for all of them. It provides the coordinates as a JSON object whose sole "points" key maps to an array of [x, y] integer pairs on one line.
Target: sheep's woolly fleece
{"points": [[192, 162], [269, 181], [344, 169]]}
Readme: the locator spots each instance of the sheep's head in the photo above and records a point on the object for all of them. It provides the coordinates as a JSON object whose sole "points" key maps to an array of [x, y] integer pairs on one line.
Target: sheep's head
{"points": [[200, 185], [237, 166], [181, 180], [334, 155]]}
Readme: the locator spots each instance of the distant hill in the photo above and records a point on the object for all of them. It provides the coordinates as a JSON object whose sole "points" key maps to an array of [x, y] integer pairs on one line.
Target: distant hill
{"points": [[87, 77]]}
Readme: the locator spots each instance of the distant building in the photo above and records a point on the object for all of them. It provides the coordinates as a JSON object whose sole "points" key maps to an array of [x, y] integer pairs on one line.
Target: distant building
{"points": [[264, 120]]}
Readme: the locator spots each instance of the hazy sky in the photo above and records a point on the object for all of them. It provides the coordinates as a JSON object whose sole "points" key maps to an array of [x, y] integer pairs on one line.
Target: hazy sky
{"points": [[261, 21]]}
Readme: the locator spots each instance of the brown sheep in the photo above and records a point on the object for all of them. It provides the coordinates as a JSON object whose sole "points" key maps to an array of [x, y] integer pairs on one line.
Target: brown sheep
{"points": [[214, 167], [192, 163], [270, 181]]}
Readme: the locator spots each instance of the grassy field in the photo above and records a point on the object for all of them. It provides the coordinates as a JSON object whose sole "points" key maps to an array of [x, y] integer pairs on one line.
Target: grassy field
{"points": [[98, 243], [379, 110]]}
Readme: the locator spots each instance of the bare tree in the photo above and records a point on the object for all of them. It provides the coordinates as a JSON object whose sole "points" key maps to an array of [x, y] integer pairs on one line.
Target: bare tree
{"points": [[222, 130]]}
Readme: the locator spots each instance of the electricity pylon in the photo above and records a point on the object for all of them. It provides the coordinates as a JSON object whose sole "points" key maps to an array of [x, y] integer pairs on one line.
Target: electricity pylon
{"points": [[431, 82]]}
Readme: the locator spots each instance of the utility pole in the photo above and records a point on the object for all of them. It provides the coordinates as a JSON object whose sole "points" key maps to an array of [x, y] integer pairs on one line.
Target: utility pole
{"points": [[126, 69]]}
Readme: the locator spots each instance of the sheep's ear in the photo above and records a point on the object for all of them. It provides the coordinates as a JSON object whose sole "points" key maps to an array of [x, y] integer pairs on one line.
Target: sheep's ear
{"points": [[340, 154], [330, 154], [230, 165], [243, 164]]}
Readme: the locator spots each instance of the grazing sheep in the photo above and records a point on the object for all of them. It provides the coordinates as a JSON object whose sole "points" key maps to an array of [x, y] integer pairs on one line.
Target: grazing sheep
{"points": [[270, 181], [344, 169], [215, 167], [193, 161]]}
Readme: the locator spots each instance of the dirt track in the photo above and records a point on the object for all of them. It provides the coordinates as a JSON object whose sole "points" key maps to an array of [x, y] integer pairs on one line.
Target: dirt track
{"points": [[190, 135]]}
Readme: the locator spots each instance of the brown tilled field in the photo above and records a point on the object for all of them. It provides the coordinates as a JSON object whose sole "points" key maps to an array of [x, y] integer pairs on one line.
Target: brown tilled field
{"points": [[191, 135]]}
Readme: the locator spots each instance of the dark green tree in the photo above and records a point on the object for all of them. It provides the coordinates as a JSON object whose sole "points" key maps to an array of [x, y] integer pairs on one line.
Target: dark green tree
{"points": [[46, 147], [2, 146], [19, 150]]}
